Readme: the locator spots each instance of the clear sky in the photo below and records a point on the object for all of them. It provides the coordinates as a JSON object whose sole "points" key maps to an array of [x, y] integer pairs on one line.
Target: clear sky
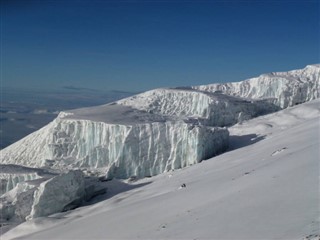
{"points": [[140, 45]]}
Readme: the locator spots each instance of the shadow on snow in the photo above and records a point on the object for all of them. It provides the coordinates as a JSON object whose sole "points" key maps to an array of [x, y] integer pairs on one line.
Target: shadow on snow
{"points": [[236, 142]]}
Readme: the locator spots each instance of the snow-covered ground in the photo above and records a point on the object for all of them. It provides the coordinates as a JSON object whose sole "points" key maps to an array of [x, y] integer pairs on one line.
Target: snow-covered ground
{"points": [[265, 187]]}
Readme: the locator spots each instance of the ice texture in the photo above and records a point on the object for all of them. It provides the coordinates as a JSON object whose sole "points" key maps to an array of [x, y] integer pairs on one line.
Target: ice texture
{"points": [[11, 175], [8, 181], [121, 150], [17, 203], [284, 88], [211, 109], [58, 194], [48, 195]]}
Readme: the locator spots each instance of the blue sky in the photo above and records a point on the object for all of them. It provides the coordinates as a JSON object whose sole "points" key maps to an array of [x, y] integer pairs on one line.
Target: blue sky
{"points": [[140, 45]]}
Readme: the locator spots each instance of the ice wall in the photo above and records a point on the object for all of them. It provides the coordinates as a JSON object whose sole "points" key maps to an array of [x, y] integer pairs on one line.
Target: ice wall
{"points": [[9, 180], [11, 175], [121, 150], [211, 109], [285, 88]]}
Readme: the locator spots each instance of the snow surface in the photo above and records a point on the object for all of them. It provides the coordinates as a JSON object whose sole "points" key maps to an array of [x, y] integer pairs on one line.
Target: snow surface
{"points": [[284, 88], [266, 187]]}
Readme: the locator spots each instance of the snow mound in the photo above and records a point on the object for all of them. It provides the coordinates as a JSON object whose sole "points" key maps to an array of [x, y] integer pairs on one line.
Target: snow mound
{"points": [[283, 88]]}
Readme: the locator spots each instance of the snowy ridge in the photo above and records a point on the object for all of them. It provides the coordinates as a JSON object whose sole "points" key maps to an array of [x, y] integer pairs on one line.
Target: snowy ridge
{"points": [[284, 88]]}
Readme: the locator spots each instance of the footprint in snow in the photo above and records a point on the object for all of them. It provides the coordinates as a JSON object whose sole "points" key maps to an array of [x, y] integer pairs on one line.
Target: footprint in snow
{"points": [[312, 237], [278, 151]]}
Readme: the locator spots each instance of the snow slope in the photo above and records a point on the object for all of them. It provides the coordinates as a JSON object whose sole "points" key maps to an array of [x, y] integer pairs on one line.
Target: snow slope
{"points": [[284, 88], [267, 189]]}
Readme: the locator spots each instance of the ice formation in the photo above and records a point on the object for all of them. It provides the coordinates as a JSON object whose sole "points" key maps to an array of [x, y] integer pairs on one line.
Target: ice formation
{"points": [[58, 194], [284, 88], [210, 109], [121, 150], [48, 195], [158, 130], [11, 175]]}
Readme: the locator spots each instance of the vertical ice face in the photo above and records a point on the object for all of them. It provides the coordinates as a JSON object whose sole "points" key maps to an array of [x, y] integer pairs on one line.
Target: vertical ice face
{"points": [[285, 88], [211, 109], [9, 180], [154, 148], [57, 194], [12, 175], [122, 151]]}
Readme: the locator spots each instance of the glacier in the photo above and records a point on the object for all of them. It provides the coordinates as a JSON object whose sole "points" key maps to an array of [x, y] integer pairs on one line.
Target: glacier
{"points": [[158, 130], [143, 135], [282, 88], [64, 163]]}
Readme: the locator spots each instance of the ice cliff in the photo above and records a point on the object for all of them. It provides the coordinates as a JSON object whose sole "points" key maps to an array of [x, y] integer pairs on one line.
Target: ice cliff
{"points": [[206, 108], [283, 88], [120, 150]]}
